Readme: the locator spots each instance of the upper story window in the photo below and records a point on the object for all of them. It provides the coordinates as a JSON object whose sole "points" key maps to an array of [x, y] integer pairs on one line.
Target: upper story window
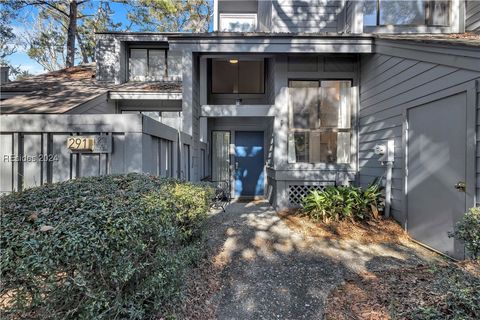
{"points": [[154, 64], [174, 64], [406, 13], [233, 76], [238, 22], [319, 128]]}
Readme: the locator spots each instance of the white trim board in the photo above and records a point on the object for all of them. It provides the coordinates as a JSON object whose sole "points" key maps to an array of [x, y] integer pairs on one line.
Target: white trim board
{"points": [[132, 95]]}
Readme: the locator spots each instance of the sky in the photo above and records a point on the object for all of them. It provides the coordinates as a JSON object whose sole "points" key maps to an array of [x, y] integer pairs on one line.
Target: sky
{"points": [[20, 58]]}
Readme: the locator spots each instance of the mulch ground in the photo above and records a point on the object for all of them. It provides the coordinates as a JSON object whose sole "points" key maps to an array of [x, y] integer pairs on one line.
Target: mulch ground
{"points": [[441, 290], [202, 283], [374, 231], [447, 291], [444, 290]]}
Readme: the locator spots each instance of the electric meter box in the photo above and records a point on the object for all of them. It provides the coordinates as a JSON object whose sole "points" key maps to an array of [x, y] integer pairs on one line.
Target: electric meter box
{"points": [[386, 152]]}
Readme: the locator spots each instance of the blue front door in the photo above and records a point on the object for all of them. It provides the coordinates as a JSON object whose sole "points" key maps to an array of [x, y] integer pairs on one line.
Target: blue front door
{"points": [[249, 175]]}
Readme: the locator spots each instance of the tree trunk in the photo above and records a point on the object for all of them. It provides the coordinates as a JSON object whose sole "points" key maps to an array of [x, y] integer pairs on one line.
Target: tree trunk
{"points": [[82, 49], [71, 32]]}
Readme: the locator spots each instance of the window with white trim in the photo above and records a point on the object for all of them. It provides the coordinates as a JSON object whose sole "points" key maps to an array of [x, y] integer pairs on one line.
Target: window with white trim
{"points": [[406, 13], [320, 121], [238, 22]]}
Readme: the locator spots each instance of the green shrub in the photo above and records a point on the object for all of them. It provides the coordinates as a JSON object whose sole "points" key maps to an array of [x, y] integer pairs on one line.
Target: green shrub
{"points": [[187, 202], [460, 292], [339, 203], [99, 248], [468, 230]]}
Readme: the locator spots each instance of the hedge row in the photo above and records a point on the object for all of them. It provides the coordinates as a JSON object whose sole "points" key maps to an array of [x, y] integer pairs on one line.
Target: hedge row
{"points": [[111, 247]]}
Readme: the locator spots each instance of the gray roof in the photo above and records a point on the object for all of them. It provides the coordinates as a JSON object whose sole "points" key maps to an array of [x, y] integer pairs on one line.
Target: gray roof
{"points": [[63, 90], [468, 38], [465, 39]]}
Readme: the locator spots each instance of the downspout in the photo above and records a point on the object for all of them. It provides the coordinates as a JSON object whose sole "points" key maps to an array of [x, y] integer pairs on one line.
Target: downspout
{"points": [[386, 158], [388, 188], [388, 176]]}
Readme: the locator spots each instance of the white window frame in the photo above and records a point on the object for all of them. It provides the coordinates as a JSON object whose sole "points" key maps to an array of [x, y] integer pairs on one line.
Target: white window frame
{"points": [[351, 128], [456, 23], [239, 17]]}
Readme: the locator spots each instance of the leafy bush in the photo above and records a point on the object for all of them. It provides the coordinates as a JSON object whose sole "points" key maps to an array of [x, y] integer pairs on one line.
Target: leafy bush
{"points": [[468, 230], [459, 291], [99, 248], [339, 203]]}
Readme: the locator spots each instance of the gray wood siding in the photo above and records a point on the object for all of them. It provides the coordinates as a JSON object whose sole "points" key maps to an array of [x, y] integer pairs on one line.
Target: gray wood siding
{"points": [[191, 121], [478, 146], [264, 17], [349, 13], [388, 85], [270, 79], [97, 105], [196, 111], [136, 147], [6, 166], [238, 6], [306, 16], [472, 16]]}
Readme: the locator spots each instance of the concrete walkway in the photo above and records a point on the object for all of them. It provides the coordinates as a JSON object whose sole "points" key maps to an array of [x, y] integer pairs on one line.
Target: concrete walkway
{"points": [[272, 272]]}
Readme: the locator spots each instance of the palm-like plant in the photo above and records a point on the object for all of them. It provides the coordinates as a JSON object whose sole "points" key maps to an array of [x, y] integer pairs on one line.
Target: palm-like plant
{"points": [[344, 202]]}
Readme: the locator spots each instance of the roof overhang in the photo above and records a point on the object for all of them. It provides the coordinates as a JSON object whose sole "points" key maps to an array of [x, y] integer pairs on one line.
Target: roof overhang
{"points": [[132, 95], [254, 42], [274, 44]]}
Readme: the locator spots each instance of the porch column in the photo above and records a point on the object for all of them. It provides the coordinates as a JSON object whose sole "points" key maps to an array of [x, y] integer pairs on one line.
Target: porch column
{"points": [[280, 125], [191, 109]]}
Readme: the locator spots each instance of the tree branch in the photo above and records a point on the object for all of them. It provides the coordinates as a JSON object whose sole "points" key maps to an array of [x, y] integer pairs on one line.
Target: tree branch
{"points": [[45, 3], [85, 15]]}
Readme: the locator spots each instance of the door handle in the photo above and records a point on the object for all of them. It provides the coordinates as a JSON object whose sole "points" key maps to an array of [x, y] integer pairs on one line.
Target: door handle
{"points": [[236, 165], [460, 186]]}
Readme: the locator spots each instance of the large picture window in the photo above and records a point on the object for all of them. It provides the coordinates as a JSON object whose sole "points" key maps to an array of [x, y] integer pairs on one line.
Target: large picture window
{"points": [[319, 121], [235, 76], [406, 13]]}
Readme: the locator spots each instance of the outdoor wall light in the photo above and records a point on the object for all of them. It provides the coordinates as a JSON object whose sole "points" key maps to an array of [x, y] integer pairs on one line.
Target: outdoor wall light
{"points": [[233, 61]]}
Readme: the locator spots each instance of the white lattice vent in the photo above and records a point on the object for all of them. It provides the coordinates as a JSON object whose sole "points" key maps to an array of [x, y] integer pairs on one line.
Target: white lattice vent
{"points": [[296, 192]]}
